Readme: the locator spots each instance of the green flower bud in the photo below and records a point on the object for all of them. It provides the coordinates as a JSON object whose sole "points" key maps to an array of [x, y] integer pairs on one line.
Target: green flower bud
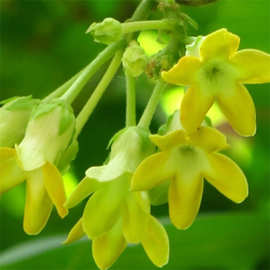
{"points": [[14, 116], [129, 148], [48, 135], [107, 31], [134, 59]]}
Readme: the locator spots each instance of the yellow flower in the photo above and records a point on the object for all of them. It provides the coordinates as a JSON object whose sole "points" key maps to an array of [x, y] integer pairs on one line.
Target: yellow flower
{"points": [[115, 216], [46, 146], [186, 160], [218, 73]]}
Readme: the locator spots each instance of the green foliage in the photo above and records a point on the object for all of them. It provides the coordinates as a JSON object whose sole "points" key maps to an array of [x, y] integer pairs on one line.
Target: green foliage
{"points": [[218, 241]]}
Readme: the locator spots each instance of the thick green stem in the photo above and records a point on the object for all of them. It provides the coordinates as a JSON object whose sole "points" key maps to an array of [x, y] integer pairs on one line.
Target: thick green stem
{"points": [[98, 92], [153, 102], [90, 70], [130, 27], [130, 100]]}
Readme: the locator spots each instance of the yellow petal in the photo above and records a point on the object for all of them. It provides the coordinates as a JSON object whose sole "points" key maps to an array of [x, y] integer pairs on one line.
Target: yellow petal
{"points": [[254, 66], [209, 139], [185, 194], [38, 205], [108, 247], [182, 73], [155, 242], [10, 173], [76, 233], [168, 141], [83, 190], [227, 177], [134, 219], [153, 170], [194, 107], [102, 210], [54, 185], [237, 105], [219, 44]]}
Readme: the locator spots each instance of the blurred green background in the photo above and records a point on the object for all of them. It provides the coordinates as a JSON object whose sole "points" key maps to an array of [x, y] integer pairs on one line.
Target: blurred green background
{"points": [[42, 44]]}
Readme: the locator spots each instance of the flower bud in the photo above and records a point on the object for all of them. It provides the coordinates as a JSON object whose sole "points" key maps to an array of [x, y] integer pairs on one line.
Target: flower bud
{"points": [[129, 147], [134, 59], [48, 135], [14, 116], [107, 31]]}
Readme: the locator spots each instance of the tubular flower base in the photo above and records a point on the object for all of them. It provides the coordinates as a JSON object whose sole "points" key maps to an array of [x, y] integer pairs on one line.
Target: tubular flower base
{"points": [[47, 139], [185, 160], [218, 73], [115, 216]]}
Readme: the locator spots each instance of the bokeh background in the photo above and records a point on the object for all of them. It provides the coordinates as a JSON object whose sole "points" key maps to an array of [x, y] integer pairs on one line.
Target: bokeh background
{"points": [[42, 44]]}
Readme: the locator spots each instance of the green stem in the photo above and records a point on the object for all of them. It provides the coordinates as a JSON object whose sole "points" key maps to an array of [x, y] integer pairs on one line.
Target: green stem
{"points": [[90, 70], [62, 89], [130, 100], [98, 92], [150, 109], [130, 27], [142, 10]]}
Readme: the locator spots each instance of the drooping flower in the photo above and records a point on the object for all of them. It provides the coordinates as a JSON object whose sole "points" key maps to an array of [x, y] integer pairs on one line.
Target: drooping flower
{"points": [[186, 159], [115, 216], [14, 116], [47, 147], [217, 72]]}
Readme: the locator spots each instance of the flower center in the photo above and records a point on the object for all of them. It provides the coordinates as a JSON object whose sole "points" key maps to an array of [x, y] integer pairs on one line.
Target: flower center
{"points": [[189, 160], [217, 75]]}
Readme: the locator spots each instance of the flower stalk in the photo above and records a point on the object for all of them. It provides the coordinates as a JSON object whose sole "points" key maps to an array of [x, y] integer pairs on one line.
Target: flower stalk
{"points": [[90, 70], [98, 92], [153, 102], [130, 27], [130, 100]]}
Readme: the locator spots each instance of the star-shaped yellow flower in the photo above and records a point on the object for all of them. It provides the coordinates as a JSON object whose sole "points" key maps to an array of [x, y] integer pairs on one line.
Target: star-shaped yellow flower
{"points": [[218, 73], [186, 160]]}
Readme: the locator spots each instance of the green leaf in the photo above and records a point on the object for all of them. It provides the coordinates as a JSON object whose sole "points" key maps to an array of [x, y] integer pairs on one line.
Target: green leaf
{"points": [[216, 241]]}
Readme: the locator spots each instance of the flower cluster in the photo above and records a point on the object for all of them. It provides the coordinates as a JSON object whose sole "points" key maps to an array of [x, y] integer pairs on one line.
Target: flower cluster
{"points": [[38, 141]]}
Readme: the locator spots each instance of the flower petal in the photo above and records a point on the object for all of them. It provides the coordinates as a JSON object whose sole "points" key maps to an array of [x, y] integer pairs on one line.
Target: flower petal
{"points": [[108, 247], [227, 177], [83, 190], [103, 208], [237, 105], [108, 172], [134, 218], [76, 233], [182, 73], [38, 205], [54, 185], [209, 139], [153, 170], [220, 43], [254, 66], [155, 242], [185, 194], [166, 142], [194, 107], [10, 173]]}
